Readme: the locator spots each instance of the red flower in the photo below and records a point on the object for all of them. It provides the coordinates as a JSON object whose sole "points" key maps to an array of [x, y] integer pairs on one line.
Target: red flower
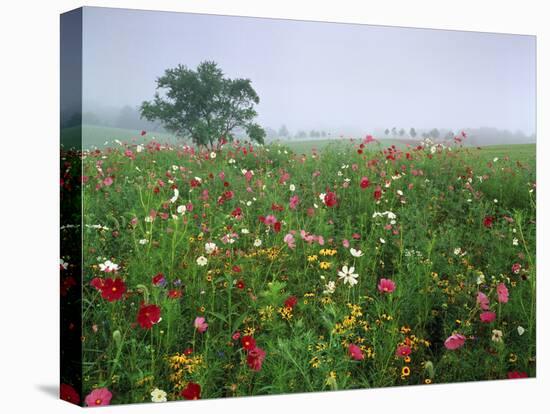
{"points": [[148, 315], [248, 342], [277, 227], [403, 351], [69, 394], [364, 182], [255, 359], [192, 391], [330, 199], [113, 289], [159, 279], [291, 302], [378, 193], [355, 352], [240, 284], [487, 316], [517, 374], [488, 221], [174, 294], [143, 133], [97, 283]]}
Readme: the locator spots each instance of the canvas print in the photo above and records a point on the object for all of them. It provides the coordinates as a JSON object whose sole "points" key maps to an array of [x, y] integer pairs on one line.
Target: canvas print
{"points": [[260, 206]]}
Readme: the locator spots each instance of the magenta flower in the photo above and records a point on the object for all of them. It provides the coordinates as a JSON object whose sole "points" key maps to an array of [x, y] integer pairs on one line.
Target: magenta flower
{"points": [[502, 292], [487, 316], [98, 397], [270, 220], [386, 286], [294, 200], [482, 300], [255, 358], [108, 181], [355, 352], [455, 341], [200, 324]]}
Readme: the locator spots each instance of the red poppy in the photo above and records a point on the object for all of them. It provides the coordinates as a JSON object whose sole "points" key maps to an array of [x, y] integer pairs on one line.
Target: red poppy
{"points": [[248, 342], [277, 227], [364, 182], [192, 391], [69, 394], [330, 199], [377, 193], [113, 289], [291, 302], [488, 221], [240, 284], [148, 315]]}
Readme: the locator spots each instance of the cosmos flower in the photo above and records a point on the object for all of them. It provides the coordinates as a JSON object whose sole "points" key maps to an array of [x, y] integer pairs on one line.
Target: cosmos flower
{"points": [[502, 292], [210, 248], [455, 341], [69, 394], [112, 290], [355, 253], [355, 352], [255, 358], [200, 324], [192, 391], [482, 300], [148, 315], [348, 275], [202, 261], [108, 266], [158, 396], [487, 317], [386, 286], [98, 397]]}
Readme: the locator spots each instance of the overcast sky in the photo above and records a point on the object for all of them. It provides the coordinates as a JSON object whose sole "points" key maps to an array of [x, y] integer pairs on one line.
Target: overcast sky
{"points": [[321, 75]]}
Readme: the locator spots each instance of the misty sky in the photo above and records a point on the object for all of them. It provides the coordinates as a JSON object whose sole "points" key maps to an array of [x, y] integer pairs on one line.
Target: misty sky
{"points": [[320, 75]]}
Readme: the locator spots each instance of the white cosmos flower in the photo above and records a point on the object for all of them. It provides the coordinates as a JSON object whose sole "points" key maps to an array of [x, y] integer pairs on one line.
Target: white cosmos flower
{"points": [[355, 253], [521, 330], [139, 148], [497, 335], [175, 196], [181, 209], [158, 396], [210, 248], [382, 240], [202, 261], [330, 287], [245, 231], [515, 242], [108, 266], [212, 154], [348, 276], [143, 241], [292, 187], [257, 243]]}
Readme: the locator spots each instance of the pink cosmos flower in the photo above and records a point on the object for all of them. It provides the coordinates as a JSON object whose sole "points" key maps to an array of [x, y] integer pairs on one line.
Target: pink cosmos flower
{"points": [[355, 352], [108, 181], [487, 316], [255, 358], [200, 324], [455, 341], [482, 300], [270, 220], [386, 286], [502, 292], [294, 200], [98, 397], [345, 243], [290, 241]]}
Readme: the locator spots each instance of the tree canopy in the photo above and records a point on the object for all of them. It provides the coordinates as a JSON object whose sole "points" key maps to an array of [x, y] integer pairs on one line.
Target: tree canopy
{"points": [[203, 105]]}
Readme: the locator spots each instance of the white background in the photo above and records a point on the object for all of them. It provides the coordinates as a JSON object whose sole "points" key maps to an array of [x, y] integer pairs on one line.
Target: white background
{"points": [[29, 101]]}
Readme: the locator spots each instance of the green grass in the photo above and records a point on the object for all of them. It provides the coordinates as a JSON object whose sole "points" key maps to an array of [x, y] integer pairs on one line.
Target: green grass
{"points": [[446, 226]]}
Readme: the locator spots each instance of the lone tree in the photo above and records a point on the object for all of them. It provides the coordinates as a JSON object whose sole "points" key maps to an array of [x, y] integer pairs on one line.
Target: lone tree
{"points": [[203, 105]]}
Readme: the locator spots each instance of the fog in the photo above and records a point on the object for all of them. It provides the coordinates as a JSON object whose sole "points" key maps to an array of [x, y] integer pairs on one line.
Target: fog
{"points": [[338, 78]]}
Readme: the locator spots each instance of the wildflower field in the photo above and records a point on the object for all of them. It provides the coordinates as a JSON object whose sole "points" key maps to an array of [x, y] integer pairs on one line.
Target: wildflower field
{"points": [[249, 270]]}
